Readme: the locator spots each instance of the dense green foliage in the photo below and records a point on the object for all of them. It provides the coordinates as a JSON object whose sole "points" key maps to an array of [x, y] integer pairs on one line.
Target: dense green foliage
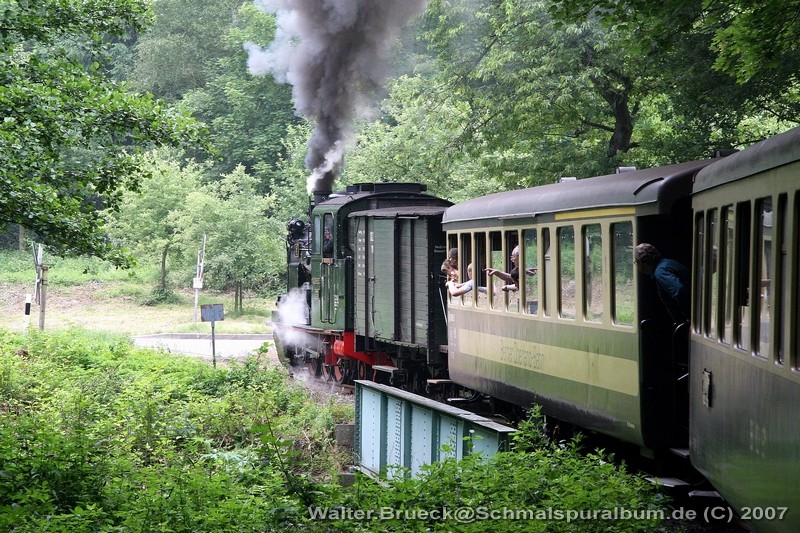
{"points": [[194, 55], [96, 435], [749, 37], [486, 95], [547, 98], [166, 221], [538, 480], [69, 137]]}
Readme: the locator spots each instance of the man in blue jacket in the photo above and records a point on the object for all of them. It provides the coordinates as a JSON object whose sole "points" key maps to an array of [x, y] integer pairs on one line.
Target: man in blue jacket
{"points": [[671, 277]]}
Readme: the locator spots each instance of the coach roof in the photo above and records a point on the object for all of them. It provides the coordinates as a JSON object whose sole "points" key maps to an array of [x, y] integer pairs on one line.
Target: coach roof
{"points": [[771, 153], [661, 185]]}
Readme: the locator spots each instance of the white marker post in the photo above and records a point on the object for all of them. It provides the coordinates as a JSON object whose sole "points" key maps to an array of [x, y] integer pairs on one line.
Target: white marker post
{"points": [[28, 302], [40, 291]]}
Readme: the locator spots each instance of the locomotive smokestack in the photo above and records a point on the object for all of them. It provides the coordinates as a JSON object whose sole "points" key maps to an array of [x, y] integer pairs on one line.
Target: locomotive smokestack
{"points": [[334, 55], [323, 188]]}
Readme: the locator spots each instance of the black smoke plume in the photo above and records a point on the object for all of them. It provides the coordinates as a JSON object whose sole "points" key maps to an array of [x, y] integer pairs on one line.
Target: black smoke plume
{"points": [[334, 54]]}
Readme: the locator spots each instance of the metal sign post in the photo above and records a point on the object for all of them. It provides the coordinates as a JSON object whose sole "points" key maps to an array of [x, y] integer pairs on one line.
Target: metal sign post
{"points": [[42, 297], [212, 313]]}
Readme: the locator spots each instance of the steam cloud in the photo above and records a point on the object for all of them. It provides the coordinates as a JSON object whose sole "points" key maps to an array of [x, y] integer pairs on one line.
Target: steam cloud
{"points": [[333, 53], [293, 311]]}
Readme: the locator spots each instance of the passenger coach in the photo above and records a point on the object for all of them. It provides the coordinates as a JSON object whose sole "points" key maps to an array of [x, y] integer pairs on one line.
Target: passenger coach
{"points": [[584, 336], [745, 372]]}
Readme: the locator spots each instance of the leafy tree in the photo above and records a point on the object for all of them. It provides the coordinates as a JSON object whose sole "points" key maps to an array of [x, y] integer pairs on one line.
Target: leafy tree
{"points": [[750, 38], [550, 97], [194, 55], [165, 222], [418, 139], [545, 99], [150, 219], [248, 115], [720, 63], [245, 248], [69, 137], [174, 54]]}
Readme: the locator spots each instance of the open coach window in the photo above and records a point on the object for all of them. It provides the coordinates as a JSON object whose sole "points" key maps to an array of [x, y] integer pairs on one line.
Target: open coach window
{"points": [[622, 268], [530, 279]]}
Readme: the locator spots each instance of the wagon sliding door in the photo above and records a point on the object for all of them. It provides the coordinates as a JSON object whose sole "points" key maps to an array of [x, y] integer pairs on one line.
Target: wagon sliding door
{"points": [[394, 287]]}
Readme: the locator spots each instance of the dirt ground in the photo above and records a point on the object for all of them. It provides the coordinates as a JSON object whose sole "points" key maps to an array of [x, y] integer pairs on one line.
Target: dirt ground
{"points": [[94, 306]]}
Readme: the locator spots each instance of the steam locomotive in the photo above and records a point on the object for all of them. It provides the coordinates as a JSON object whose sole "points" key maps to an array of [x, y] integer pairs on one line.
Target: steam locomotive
{"points": [[582, 334]]}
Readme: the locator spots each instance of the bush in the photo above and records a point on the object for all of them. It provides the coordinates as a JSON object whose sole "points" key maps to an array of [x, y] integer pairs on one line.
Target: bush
{"points": [[97, 435], [536, 486]]}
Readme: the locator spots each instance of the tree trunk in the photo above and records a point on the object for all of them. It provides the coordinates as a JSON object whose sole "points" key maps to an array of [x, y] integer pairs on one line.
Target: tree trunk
{"points": [[615, 88], [238, 297], [162, 283], [21, 238], [623, 125]]}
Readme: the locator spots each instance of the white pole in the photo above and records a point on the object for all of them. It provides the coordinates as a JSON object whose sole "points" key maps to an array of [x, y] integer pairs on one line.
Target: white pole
{"points": [[198, 279]]}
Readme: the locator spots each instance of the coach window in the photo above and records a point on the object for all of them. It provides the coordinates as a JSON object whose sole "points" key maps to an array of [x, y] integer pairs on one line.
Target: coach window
{"points": [[622, 268], [545, 282], [764, 270], [793, 236], [479, 266], [452, 244], [496, 260], [712, 227], [593, 273], [566, 270], [699, 270], [464, 262], [742, 290], [529, 277], [513, 294], [781, 291], [726, 264]]}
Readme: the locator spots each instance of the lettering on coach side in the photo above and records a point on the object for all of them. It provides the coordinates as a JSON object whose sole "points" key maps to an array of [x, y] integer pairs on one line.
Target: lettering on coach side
{"points": [[521, 354]]}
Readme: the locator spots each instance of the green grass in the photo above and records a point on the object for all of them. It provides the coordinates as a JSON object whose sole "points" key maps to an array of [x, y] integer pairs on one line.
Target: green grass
{"points": [[18, 267]]}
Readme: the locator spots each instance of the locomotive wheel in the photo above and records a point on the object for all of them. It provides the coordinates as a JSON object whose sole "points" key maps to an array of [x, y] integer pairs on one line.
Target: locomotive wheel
{"points": [[336, 373], [343, 372], [314, 367]]}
